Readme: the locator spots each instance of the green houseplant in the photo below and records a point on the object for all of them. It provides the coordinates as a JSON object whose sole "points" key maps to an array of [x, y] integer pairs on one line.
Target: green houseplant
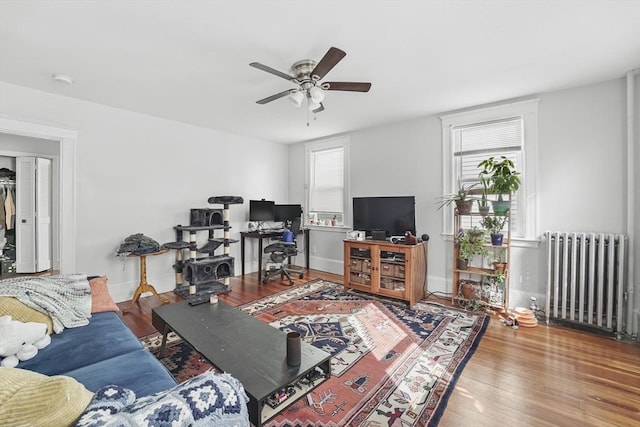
{"points": [[494, 225], [461, 198], [503, 179], [483, 202], [468, 247], [499, 261], [498, 278]]}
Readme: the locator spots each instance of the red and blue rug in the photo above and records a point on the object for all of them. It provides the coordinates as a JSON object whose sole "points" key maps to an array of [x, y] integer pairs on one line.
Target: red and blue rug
{"points": [[391, 365]]}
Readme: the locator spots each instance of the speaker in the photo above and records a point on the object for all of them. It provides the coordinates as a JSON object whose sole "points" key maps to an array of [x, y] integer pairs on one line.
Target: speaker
{"points": [[204, 217], [378, 235], [208, 270]]}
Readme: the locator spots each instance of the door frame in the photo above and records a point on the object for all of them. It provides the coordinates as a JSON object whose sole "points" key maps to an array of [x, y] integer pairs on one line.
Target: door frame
{"points": [[63, 182]]}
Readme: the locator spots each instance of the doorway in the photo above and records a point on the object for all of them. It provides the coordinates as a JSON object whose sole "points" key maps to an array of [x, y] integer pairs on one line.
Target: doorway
{"points": [[26, 138]]}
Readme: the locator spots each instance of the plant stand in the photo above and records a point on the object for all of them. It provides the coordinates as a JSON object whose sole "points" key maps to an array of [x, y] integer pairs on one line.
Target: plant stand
{"points": [[481, 284]]}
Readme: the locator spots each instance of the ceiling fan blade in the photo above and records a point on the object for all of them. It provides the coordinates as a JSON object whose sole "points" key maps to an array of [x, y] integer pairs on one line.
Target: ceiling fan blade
{"points": [[348, 86], [328, 61], [320, 108], [270, 70], [274, 97]]}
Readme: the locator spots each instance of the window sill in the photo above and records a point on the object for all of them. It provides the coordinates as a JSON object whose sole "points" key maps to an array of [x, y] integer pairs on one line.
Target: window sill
{"points": [[329, 228], [516, 242]]}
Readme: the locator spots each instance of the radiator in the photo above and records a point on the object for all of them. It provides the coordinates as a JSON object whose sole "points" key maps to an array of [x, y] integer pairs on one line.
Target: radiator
{"points": [[586, 280]]}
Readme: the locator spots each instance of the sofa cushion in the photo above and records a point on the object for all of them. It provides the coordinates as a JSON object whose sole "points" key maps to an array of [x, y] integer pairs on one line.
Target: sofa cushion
{"points": [[138, 370], [101, 299], [105, 336], [205, 400], [29, 398]]}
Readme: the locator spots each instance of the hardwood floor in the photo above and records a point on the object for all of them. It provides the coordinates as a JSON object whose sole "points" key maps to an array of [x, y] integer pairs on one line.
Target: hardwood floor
{"points": [[543, 376]]}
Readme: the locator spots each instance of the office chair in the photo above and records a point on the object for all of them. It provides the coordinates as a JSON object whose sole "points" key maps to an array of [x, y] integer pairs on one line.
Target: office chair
{"points": [[280, 251]]}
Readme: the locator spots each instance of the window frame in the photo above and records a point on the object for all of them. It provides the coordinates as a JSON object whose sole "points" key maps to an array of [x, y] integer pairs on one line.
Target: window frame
{"points": [[528, 111], [320, 145]]}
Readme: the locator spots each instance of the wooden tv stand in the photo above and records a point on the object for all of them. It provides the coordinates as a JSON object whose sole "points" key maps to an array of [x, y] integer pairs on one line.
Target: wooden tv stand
{"points": [[383, 268]]}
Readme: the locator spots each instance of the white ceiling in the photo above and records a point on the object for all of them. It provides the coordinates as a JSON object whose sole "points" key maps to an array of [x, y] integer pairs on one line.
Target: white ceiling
{"points": [[188, 60]]}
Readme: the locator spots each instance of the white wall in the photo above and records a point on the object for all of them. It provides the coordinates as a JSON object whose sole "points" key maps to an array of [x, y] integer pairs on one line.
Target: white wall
{"points": [[582, 158], [8, 162], [137, 173], [581, 151], [19, 143]]}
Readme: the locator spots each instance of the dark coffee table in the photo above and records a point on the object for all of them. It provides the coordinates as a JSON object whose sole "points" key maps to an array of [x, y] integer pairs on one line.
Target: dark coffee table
{"points": [[247, 348]]}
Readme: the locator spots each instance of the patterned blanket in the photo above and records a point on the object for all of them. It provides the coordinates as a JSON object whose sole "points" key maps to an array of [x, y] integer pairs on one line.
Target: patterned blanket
{"points": [[66, 298]]}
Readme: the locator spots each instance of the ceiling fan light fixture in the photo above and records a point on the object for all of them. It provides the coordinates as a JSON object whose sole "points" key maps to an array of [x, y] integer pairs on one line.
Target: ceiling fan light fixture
{"points": [[296, 98], [316, 94], [306, 76], [313, 105]]}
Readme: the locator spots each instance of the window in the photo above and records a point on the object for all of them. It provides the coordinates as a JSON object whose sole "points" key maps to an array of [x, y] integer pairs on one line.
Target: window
{"points": [[327, 183], [508, 130]]}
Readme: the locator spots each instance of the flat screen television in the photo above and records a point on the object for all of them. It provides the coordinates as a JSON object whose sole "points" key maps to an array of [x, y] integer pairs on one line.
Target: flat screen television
{"points": [[287, 212], [393, 214], [261, 210]]}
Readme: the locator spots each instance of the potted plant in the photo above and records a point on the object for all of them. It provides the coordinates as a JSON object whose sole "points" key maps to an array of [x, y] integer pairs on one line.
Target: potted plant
{"points": [[504, 179], [499, 262], [483, 202], [468, 247], [476, 233], [461, 198], [467, 289], [469, 293], [494, 224]]}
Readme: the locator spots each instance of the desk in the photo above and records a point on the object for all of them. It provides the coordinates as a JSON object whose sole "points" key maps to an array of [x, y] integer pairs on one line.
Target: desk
{"points": [[144, 286], [265, 234]]}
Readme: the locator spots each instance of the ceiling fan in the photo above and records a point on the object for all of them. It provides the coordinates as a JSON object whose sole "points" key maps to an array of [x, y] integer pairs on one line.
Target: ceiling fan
{"points": [[306, 75]]}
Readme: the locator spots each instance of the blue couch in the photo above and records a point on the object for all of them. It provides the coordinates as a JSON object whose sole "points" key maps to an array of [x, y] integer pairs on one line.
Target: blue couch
{"points": [[102, 353]]}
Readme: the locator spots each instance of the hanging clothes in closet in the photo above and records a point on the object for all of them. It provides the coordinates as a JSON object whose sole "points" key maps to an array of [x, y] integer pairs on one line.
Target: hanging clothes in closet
{"points": [[7, 213], [3, 217], [10, 206], [7, 198]]}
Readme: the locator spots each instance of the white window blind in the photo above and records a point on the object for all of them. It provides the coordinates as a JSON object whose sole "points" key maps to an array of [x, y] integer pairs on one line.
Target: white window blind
{"points": [[326, 187], [474, 143], [509, 129]]}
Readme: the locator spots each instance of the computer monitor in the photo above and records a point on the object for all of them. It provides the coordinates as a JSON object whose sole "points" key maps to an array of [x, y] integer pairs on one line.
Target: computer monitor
{"points": [[261, 210], [287, 212]]}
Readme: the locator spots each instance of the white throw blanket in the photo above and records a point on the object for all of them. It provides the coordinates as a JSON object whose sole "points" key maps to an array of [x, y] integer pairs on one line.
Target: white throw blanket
{"points": [[66, 298]]}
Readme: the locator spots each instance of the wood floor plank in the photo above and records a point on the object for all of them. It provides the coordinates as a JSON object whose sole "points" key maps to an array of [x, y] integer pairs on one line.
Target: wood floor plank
{"points": [[543, 376]]}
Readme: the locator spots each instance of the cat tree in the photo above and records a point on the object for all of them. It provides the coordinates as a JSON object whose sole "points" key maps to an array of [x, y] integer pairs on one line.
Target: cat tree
{"points": [[207, 275]]}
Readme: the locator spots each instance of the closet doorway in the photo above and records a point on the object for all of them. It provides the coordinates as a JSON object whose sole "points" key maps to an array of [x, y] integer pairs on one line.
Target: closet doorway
{"points": [[21, 138], [26, 233]]}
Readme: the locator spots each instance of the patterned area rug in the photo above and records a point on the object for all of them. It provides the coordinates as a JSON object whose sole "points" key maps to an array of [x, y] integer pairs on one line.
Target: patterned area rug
{"points": [[179, 357], [391, 366]]}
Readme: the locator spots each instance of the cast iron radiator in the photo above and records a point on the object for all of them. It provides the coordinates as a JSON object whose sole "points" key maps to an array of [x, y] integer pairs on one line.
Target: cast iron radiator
{"points": [[586, 280]]}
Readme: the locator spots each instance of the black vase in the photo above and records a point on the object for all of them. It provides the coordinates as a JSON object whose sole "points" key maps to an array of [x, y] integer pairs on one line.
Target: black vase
{"points": [[293, 348]]}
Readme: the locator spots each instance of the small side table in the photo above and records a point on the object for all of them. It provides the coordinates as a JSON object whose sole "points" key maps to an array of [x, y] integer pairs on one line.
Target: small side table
{"points": [[145, 286]]}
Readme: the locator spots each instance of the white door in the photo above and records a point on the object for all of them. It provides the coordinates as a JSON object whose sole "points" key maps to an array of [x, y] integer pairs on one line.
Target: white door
{"points": [[33, 214], [43, 214]]}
